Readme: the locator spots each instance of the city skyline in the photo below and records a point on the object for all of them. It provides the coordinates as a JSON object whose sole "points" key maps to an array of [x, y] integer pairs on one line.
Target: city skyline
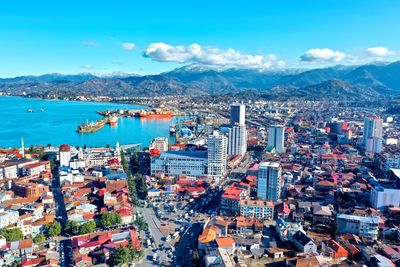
{"points": [[151, 38]]}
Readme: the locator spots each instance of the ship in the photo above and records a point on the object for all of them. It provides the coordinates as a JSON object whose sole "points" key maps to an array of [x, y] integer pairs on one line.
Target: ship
{"points": [[91, 127], [113, 120], [30, 110], [155, 113]]}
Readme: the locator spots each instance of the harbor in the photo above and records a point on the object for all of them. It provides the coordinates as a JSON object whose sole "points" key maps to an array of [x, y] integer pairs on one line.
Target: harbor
{"points": [[111, 117], [60, 120]]}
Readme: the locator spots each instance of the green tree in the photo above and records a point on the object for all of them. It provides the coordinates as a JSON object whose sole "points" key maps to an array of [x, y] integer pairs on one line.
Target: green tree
{"points": [[87, 227], [135, 160], [12, 234], [141, 186], [141, 223], [39, 238], [72, 227], [110, 218], [120, 257], [131, 180], [135, 253], [53, 229], [31, 150]]}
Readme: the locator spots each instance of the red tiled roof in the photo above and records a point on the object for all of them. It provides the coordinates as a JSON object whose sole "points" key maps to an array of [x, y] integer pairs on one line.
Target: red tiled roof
{"points": [[36, 164], [225, 241]]}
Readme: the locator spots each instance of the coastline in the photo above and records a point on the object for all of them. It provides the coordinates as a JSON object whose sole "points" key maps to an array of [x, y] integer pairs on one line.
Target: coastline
{"points": [[57, 124], [78, 100]]}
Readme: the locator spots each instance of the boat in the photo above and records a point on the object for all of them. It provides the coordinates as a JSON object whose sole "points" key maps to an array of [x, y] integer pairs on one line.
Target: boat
{"points": [[41, 110], [91, 127], [113, 120], [30, 110], [156, 113]]}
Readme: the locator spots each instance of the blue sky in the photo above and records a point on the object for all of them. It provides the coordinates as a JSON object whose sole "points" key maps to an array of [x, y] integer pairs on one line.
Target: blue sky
{"points": [[90, 36]]}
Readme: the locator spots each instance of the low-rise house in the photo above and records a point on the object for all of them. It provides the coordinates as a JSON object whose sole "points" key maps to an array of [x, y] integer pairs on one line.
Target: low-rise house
{"points": [[226, 243], [336, 251], [277, 253], [303, 242], [86, 208], [248, 226], [208, 235], [322, 214]]}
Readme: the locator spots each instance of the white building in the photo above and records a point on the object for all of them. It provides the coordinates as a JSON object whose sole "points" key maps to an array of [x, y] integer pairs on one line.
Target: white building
{"points": [[364, 227], [372, 128], [217, 148], [159, 143], [8, 217], [174, 163], [65, 155], [237, 140], [9, 170], [35, 168], [374, 145], [257, 209], [269, 181], [383, 197], [238, 114], [276, 138], [77, 164]]}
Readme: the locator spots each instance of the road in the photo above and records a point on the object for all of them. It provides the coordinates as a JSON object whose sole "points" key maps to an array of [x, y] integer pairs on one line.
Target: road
{"points": [[158, 237], [187, 244], [65, 246]]}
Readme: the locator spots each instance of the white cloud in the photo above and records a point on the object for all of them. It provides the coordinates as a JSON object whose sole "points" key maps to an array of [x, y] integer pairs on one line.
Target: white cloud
{"points": [[87, 66], [89, 43], [379, 51], [128, 46], [195, 53], [322, 55]]}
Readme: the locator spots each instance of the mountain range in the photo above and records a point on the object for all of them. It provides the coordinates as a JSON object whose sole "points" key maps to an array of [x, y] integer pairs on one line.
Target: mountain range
{"points": [[364, 82]]}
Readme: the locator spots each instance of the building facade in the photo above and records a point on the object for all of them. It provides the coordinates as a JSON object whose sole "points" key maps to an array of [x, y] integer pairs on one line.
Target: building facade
{"points": [[65, 155], [374, 145], [276, 138], [372, 128], [238, 114], [257, 209], [383, 197], [237, 140], [269, 181], [174, 163], [365, 227], [159, 143], [217, 151], [8, 217]]}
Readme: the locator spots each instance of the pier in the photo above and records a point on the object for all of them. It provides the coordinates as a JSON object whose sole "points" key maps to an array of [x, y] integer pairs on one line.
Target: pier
{"points": [[111, 116]]}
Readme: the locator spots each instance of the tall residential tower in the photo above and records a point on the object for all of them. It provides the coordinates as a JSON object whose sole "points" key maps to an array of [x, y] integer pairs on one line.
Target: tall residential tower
{"points": [[276, 138], [372, 130], [269, 181], [237, 136], [217, 147], [238, 114]]}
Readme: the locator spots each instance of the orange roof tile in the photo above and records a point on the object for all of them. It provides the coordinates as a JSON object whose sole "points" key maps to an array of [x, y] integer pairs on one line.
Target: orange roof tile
{"points": [[225, 241]]}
